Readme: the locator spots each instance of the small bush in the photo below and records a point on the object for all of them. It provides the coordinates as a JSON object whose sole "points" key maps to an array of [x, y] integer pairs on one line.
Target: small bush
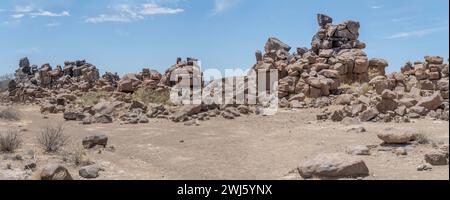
{"points": [[364, 89], [149, 95], [10, 141], [76, 154], [373, 73], [4, 81], [10, 114], [91, 98], [422, 138], [52, 138]]}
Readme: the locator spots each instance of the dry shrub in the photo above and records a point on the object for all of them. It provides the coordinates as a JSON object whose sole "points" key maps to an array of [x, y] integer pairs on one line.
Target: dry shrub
{"points": [[364, 89], [149, 95], [10, 141], [10, 114], [91, 98], [52, 138], [422, 138], [77, 155], [4, 81], [373, 73]]}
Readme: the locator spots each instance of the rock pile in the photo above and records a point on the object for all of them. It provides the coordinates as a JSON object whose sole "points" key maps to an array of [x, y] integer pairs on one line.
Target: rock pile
{"points": [[336, 57], [33, 83], [418, 91], [320, 76]]}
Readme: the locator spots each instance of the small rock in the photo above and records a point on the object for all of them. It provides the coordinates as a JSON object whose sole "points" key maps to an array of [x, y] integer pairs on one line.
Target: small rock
{"points": [[30, 166], [143, 120], [89, 172], [424, 167], [359, 150], [94, 140], [192, 123], [53, 172], [400, 151], [357, 130], [436, 158]]}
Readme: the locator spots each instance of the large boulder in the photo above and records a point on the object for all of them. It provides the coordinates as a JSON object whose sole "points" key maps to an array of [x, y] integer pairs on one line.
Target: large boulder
{"points": [[334, 165], [129, 83], [432, 102], [368, 114], [323, 20], [274, 44], [394, 136]]}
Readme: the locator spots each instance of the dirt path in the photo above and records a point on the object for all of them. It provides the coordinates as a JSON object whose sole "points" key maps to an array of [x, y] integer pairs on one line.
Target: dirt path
{"points": [[250, 147]]}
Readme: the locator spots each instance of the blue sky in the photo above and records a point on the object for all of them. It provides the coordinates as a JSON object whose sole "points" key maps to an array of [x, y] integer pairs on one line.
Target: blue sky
{"points": [[125, 36]]}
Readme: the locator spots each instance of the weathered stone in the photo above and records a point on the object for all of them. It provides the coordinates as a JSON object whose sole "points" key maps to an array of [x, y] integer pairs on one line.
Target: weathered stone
{"points": [[434, 59], [274, 44], [54, 172], [324, 20], [94, 140], [359, 150], [103, 119], [436, 158], [89, 172], [393, 136], [333, 166], [344, 99], [368, 115], [388, 94], [431, 102]]}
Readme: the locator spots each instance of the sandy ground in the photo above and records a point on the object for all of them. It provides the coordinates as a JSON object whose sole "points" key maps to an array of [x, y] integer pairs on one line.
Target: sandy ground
{"points": [[250, 147]]}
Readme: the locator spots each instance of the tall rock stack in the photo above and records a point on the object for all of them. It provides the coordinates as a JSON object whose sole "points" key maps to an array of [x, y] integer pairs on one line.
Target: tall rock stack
{"points": [[336, 57], [188, 69]]}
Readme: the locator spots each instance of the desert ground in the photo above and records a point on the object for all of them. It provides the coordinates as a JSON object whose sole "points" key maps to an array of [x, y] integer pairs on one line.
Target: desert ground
{"points": [[251, 147]]}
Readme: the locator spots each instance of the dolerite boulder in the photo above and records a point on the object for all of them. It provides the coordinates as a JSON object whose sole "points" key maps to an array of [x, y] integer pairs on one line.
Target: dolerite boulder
{"points": [[395, 136], [89, 172], [324, 19], [274, 44], [432, 102], [94, 140], [436, 158], [129, 83], [53, 172], [334, 165]]}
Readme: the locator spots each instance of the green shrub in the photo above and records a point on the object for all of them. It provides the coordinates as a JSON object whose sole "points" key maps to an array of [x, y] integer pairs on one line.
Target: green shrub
{"points": [[149, 95], [91, 98]]}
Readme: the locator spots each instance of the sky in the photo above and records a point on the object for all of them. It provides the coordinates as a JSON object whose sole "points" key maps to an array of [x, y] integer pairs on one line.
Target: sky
{"points": [[125, 36]]}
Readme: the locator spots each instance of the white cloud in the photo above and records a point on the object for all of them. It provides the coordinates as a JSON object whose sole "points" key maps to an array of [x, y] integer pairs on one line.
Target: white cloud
{"points": [[31, 50], [153, 9], [23, 9], [376, 7], [129, 13], [417, 33], [221, 6], [53, 24], [18, 16], [108, 18], [44, 13]]}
